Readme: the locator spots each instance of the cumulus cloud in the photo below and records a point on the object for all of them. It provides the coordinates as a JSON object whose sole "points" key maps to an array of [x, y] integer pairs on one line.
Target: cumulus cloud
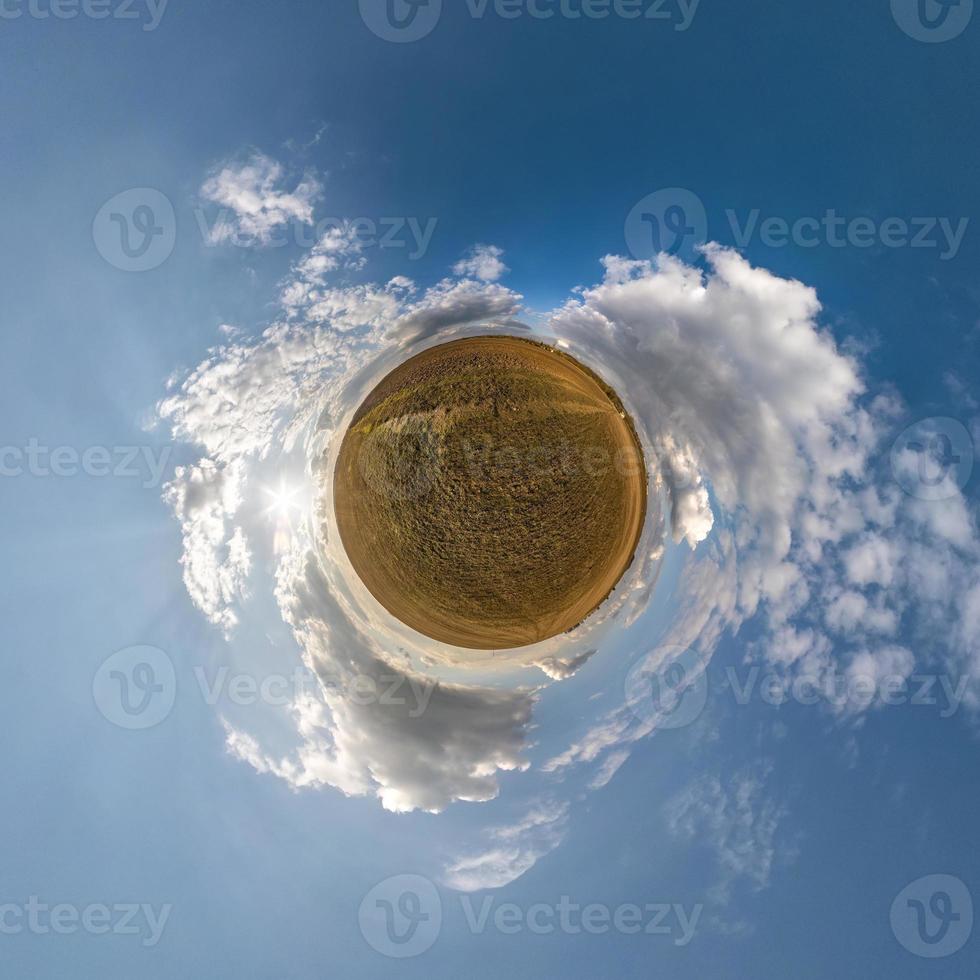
{"points": [[774, 454], [756, 401], [338, 247], [250, 406], [483, 262], [216, 560], [765, 440], [561, 668], [255, 200]]}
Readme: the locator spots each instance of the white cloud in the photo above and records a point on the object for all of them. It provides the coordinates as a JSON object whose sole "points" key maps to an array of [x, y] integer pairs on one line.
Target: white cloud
{"points": [[610, 766], [250, 407], [743, 394], [483, 262], [886, 662], [761, 433], [216, 559], [738, 820], [871, 561], [561, 668], [513, 849], [254, 200], [777, 421]]}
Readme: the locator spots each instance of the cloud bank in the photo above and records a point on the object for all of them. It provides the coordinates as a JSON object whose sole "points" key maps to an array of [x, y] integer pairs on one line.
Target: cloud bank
{"points": [[766, 443], [776, 457], [254, 200]]}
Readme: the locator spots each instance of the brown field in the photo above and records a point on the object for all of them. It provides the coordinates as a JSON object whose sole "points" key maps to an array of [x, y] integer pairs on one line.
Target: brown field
{"points": [[490, 492]]}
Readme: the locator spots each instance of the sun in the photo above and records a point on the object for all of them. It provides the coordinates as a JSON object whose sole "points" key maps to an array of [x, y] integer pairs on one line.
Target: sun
{"points": [[283, 501]]}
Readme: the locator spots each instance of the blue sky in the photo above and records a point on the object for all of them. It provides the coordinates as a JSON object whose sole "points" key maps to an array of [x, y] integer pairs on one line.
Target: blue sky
{"points": [[784, 834]]}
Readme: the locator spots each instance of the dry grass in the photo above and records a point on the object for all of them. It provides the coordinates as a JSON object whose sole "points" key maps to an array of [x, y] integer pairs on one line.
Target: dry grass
{"points": [[490, 492]]}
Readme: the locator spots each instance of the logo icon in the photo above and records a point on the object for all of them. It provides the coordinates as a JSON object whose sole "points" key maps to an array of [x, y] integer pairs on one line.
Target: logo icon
{"points": [[401, 916], [933, 916], [136, 230], [933, 459], [401, 21], [671, 220], [136, 688], [932, 21], [668, 688]]}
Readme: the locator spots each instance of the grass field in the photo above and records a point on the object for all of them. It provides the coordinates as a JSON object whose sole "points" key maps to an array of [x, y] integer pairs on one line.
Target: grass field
{"points": [[490, 492]]}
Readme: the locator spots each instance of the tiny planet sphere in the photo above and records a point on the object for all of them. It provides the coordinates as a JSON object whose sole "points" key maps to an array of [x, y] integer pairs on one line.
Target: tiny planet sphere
{"points": [[490, 492]]}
